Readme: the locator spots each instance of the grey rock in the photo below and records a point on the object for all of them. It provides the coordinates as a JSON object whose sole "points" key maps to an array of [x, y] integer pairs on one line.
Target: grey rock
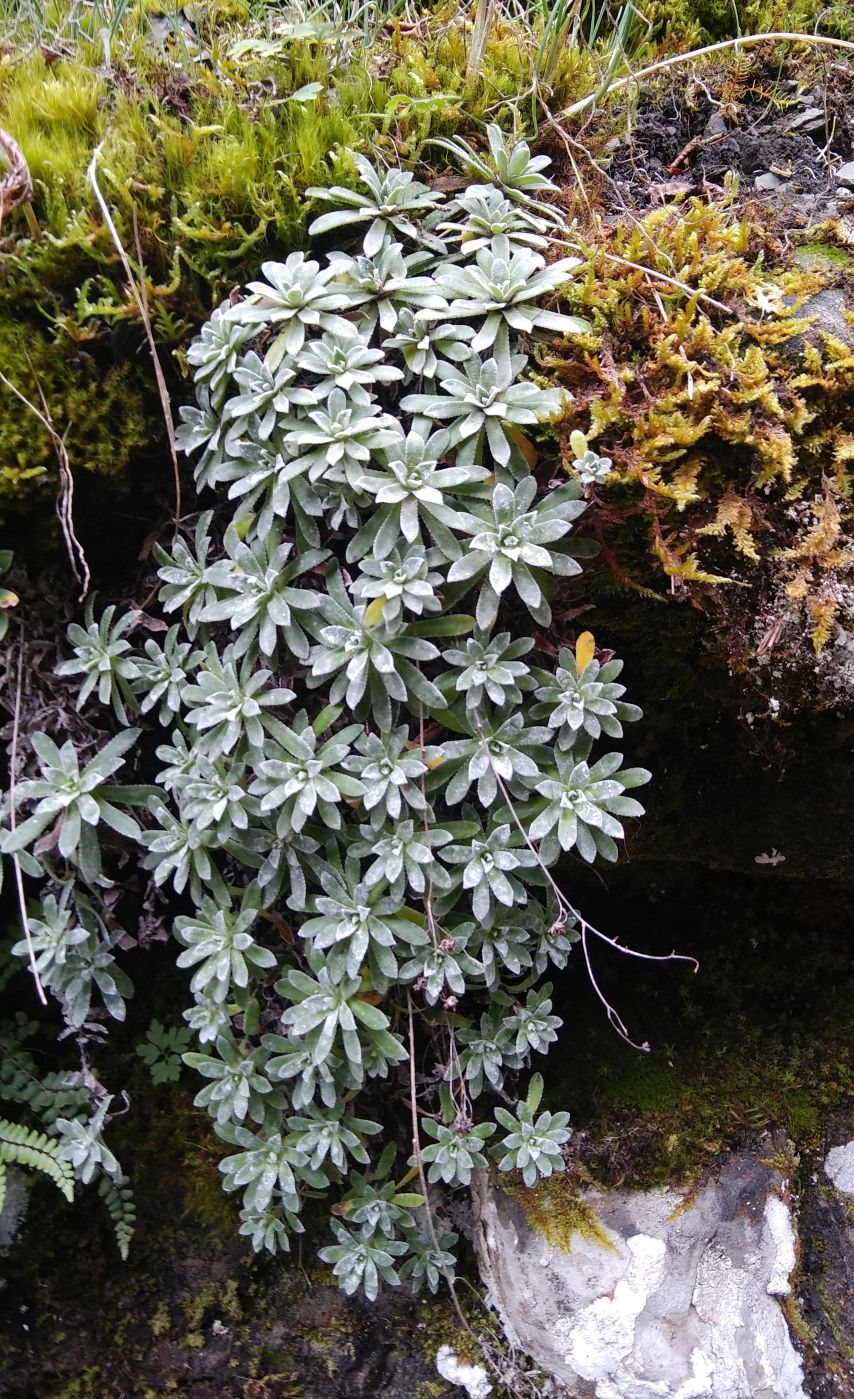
{"points": [[812, 119], [680, 1302], [767, 181], [827, 311], [845, 173], [14, 1210]]}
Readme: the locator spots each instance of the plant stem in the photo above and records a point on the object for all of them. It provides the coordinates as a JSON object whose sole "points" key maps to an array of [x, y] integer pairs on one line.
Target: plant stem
{"points": [[141, 299], [32, 221], [480, 34]]}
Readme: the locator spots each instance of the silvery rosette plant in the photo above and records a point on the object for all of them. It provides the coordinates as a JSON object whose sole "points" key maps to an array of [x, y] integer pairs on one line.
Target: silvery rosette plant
{"points": [[363, 781]]}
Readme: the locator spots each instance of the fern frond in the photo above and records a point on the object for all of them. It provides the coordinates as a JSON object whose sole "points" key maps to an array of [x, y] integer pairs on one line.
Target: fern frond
{"points": [[23, 1146], [121, 1207]]}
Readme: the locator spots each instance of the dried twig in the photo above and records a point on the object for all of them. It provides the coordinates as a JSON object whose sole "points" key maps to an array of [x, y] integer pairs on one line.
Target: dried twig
{"points": [[65, 500], [140, 295], [19, 878], [696, 143]]}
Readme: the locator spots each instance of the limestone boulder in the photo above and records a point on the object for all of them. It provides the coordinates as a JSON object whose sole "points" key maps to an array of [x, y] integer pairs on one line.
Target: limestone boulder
{"points": [[676, 1295]]}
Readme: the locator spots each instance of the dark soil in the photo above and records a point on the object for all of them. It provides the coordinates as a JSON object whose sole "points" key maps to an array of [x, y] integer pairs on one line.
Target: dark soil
{"points": [[741, 125]]}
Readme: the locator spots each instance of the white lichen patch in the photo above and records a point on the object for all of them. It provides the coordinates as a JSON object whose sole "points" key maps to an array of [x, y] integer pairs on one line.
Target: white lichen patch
{"points": [[839, 1165], [783, 1254], [606, 1328], [472, 1378]]}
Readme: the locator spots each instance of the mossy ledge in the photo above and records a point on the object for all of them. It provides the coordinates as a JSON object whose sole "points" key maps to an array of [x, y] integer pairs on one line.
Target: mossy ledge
{"points": [[556, 1209]]}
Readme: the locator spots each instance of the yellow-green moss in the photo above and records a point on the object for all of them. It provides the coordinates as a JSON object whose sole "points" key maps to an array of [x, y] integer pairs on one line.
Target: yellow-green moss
{"points": [[97, 408], [701, 20], [81, 1386], [819, 254], [554, 1208], [437, 1324], [161, 1322], [797, 1322]]}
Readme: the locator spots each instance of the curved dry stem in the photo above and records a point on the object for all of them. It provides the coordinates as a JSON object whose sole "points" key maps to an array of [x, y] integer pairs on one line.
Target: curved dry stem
{"points": [[742, 42], [65, 500], [567, 911], [422, 1174]]}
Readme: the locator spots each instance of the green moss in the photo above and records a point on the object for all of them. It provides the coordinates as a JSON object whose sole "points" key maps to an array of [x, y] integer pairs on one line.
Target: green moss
{"points": [[797, 1322], [161, 1322], [216, 1300], [437, 1324], [819, 254], [701, 20], [682, 1107], [81, 1386], [830, 1306], [332, 1336]]}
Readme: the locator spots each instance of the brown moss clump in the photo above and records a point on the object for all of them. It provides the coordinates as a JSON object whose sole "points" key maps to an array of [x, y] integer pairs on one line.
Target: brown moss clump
{"points": [[729, 429]]}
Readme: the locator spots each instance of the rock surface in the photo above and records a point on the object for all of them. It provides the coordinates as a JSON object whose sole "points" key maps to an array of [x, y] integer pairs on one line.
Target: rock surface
{"points": [[678, 1299], [14, 1211], [826, 1263]]}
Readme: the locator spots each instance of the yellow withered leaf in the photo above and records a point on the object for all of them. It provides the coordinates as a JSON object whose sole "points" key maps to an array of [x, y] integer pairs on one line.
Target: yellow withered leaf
{"points": [[525, 445], [585, 648], [374, 611]]}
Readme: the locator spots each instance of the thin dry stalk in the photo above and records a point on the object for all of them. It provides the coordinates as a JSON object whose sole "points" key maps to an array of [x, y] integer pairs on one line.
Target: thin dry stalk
{"points": [[742, 42], [16, 863], [65, 500], [422, 1174], [140, 295], [482, 24]]}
